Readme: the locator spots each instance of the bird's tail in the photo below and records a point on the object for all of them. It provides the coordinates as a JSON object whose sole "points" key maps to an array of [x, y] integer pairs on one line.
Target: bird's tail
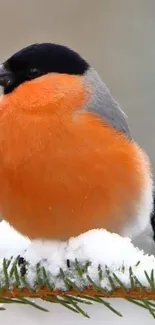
{"points": [[153, 217]]}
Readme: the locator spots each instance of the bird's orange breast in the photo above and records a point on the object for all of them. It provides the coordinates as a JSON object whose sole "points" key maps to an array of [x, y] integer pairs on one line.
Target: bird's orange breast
{"points": [[63, 173]]}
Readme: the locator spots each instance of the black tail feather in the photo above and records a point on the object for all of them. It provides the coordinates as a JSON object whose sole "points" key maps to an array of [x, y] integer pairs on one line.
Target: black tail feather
{"points": [[153, 217]]}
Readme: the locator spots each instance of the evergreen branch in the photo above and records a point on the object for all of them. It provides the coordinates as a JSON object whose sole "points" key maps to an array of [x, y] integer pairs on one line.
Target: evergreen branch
{"points": [[16, 288]]}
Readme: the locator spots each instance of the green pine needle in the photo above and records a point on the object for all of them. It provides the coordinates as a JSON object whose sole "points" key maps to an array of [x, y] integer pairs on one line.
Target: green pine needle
{"points": [[75, 305], [94, 285], [100, 273], [5, 269], [46, 281], [119, 282], [152, 279], [110, 279], [81, 300], [151, 283], [149, 308], [61, 302], [107, 304], [132, 283], [31, 303], [78, 268], [136, 302]]}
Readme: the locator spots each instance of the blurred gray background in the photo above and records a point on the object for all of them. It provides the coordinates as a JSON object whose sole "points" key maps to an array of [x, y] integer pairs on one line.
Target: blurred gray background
{"points": [[116, 36]]}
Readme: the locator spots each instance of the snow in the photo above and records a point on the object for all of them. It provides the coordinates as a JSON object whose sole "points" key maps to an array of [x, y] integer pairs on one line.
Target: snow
{"points": [[96, 246], [11, 242]]}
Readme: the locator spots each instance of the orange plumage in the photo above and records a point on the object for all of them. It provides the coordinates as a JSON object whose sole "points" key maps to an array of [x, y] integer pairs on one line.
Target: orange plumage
{"points": [[64, 170]]}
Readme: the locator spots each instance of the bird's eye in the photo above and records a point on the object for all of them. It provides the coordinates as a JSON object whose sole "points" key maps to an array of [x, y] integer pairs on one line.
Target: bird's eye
{"points": [[33, 73]]}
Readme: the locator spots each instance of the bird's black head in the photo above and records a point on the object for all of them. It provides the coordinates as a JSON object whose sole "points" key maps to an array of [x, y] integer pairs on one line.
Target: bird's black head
{"points": [[39, 59]]}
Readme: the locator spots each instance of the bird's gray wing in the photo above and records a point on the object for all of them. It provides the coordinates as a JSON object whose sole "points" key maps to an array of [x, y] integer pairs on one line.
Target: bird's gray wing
{"points": [[102, 103]]}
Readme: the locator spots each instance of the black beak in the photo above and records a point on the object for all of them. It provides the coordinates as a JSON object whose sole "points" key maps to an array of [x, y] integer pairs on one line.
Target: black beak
{"points": [[6, 76]]}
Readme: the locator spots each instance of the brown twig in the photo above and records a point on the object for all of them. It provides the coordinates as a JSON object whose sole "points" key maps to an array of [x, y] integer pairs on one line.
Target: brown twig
{"points": [[136, 293]]}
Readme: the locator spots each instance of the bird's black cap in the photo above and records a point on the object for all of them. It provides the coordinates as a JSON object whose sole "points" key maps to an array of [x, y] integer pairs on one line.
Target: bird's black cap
{"points": [[39, 59]]}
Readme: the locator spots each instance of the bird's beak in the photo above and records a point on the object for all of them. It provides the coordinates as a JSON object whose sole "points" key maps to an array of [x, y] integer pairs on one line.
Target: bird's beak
{"points": [[6, 76]]}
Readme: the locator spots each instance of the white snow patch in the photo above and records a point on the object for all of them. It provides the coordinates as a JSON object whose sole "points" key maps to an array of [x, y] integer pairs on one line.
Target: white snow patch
{"points": [[95, 246], [11, 242]]}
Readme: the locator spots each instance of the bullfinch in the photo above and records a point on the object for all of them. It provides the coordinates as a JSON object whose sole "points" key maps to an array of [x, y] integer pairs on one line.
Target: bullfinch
{"points": [[68, 162]]}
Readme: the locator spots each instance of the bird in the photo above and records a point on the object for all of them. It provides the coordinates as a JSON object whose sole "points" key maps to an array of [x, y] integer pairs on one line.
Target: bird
{"points": [[68, 161]]}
